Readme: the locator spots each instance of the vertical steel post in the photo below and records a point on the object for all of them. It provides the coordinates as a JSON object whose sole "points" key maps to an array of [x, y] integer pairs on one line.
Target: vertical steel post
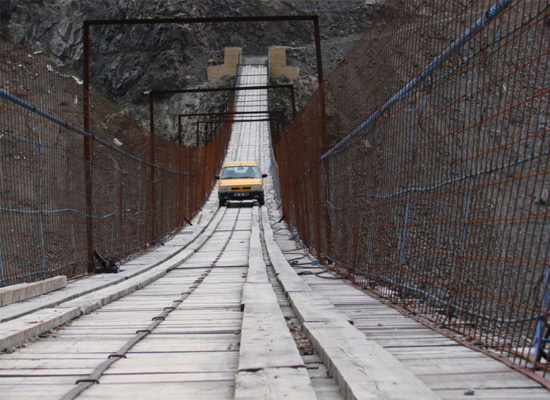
{"points": [[318, 52], [87, 148], [1, 267], [181, 177], [179, 130], [293, 100], [181, 201], [198, 127], [121, 212], [151, 210], [163, 175], [320, 211]]}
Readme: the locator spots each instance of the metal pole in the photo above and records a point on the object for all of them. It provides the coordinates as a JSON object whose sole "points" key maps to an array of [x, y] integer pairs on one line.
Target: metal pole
{"points": [[293, 102], [179, 130], [152, 171], [197, 141], [87, 149], [318, 51], [321, 212], [222, 89], [1, 267]]}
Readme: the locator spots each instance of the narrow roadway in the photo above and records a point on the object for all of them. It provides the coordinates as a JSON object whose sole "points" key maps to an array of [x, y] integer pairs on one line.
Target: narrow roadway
{"points": [[219, 313], [182, 335]]}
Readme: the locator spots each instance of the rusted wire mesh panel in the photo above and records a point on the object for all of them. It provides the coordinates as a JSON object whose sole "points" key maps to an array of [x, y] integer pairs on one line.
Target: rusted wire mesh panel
{"points": [[135, 198], [436, 173]]}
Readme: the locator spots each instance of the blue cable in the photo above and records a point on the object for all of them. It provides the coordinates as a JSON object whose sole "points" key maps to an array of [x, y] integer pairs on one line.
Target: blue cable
{"points": [[492, 13], [65, 124], [454, 180]]}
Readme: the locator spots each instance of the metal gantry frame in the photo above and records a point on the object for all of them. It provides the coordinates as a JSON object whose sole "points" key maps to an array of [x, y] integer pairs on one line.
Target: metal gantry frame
{"points": [[87, 153], [277, 116], [153, 93]]}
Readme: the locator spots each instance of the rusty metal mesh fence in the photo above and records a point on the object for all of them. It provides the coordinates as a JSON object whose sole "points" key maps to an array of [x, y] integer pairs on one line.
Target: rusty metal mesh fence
{"points": [[420, 168], [138, 189]]}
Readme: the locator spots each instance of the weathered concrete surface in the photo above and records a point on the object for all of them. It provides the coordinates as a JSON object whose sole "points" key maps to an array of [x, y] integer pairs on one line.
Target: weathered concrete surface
{"points": [[277, 64], [229, 66]]}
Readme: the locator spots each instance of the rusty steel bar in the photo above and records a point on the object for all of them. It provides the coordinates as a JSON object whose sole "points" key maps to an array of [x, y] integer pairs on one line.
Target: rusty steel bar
{"points": [[236, 120], [151, 208], [88, 151], [152, 94], [233, 89], [318, 52], [227, 113], [180, 137]]}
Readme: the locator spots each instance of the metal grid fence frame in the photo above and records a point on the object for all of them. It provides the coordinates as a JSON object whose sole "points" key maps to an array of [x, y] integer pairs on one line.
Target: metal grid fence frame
{"points": [[42, 175], [420, 168]]}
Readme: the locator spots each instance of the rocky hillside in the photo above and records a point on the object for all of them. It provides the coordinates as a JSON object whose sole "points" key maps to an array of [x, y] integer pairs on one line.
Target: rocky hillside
{"points": [[127, 61]]}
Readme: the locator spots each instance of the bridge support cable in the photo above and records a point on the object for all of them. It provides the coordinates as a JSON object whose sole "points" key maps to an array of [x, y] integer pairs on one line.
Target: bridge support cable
{"points": [[407, 90]]}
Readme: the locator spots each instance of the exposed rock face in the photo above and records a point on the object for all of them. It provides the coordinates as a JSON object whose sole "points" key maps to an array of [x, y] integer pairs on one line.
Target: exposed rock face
{"points": [[128, 60]]}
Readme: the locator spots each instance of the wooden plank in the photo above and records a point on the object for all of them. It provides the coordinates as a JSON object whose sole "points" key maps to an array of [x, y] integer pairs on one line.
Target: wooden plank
{"points": [[177, 343], [266, 341], [47, 363], [457, 366], [17, 331], [13, 382], [500, 394], [281, 383], [257, 272], [6, 358], [403, 332], [391, 342], [326, 389], [361, 367], [33, 372], [319, 370], [488, 380], [33, 392], [168, 391], [81, 346], [16, 293], [270, 366], [256, 293], [441, 355], [142, 363], [310, 307], [215, 376]]}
